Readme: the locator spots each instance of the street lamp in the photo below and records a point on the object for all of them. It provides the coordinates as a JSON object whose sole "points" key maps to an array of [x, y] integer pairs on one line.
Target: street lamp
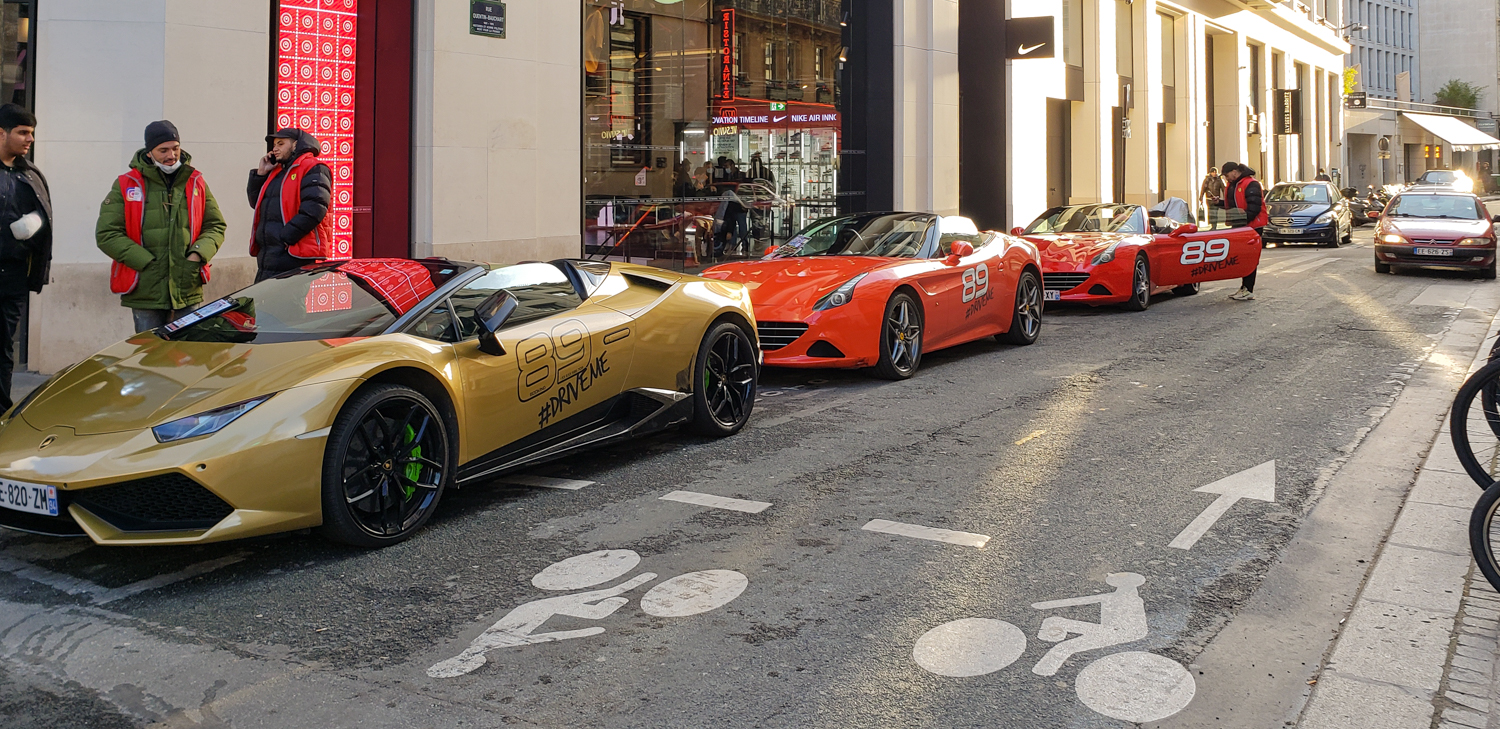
{"points": [[1352, 28]]}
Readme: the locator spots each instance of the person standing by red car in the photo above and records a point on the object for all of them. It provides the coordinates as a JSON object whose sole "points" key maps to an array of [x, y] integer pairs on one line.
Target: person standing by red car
{"points": [[1243, 192]]}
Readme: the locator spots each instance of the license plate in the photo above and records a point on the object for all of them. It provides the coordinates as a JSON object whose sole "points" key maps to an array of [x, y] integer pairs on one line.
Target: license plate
{"points": [[33, 498], [1291, 231], [1433, 251], [1052, 296]]}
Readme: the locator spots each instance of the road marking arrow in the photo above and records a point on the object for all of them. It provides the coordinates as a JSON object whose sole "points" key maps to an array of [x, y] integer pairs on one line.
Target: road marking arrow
{"points": [[1258, 483]]}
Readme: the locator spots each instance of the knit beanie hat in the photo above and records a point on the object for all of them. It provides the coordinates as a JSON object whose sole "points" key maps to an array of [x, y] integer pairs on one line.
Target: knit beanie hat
{"points": [[159, 133]]}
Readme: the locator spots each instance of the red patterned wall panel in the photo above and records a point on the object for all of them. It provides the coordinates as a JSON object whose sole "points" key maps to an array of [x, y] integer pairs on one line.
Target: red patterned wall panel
{"points": [[315, 73]]}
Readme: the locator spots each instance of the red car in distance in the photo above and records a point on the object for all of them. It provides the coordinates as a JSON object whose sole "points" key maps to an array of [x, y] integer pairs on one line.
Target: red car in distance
{"points": [[1435, 228], [1114, 254], [880, 289]]}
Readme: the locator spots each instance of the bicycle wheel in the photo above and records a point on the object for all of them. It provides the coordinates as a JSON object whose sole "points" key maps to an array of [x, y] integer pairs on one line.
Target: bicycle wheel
{"points": [[1475, 425], [1484, 534]]}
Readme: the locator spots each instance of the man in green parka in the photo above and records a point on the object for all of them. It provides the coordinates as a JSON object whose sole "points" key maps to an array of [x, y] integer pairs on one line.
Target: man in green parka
{"points": [[161, 226]]}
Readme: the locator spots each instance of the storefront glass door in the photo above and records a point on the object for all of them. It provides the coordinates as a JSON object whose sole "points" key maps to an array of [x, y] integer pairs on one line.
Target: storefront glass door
{"points": [[712, 128]]}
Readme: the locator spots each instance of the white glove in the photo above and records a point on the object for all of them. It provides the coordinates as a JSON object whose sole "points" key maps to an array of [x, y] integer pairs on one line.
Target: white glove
{"points": [[28, 226]]}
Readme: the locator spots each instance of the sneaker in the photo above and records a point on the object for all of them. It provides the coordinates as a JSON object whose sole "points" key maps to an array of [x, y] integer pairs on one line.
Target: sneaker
{"points": [[1239, 295], [1249, 296]]}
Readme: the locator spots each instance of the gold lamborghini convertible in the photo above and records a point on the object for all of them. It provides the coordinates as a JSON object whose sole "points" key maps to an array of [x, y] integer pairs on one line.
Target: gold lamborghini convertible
{"points": [[349, 395]]}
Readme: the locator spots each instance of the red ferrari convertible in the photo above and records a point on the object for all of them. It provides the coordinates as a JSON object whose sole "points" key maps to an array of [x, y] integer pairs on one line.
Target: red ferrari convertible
{"points": [[1115, 254], [879, 289]]}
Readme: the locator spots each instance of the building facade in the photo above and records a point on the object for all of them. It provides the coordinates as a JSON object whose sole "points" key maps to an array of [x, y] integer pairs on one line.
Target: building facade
{"points": [[597, 127], [1460, 41], [1387, 50]]}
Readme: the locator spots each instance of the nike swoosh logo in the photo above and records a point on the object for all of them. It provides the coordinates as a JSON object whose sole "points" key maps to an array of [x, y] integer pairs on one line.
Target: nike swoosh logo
{"points": [[1023, 50], [778, 120]]}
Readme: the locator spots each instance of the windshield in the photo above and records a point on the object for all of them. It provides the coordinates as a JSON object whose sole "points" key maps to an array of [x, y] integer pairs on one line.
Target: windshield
{"points": [[358, 298], [1440, 177], [1090, 219], [891, 235], [1300, 193], [1456, 207]]}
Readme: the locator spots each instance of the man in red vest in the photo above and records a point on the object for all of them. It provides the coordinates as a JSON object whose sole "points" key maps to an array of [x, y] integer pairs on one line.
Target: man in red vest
{"points": [[161, 226], [292, 193], [1243, 192]]}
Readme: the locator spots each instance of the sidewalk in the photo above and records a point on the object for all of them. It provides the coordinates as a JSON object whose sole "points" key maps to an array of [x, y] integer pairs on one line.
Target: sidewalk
{"points": [[1420, 646]]}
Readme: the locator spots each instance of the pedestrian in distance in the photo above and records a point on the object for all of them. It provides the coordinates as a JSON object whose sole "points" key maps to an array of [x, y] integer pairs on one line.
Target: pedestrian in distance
{"points": [[161, 226], [1211, 192], [1243, 192], [292, 193], [1322, 176], [25, 233]]}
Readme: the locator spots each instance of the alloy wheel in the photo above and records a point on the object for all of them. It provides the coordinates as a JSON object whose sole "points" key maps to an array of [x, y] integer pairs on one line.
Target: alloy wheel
{"points": [[1030, 310], [389, 476], [729, 378], [904, 335]]}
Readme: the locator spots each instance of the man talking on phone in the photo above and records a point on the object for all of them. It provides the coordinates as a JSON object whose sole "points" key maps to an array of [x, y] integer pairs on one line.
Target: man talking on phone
{"points": [[291, 192]]}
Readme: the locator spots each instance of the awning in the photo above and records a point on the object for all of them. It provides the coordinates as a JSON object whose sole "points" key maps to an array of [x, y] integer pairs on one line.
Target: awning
{"points": [[1453, 131]]}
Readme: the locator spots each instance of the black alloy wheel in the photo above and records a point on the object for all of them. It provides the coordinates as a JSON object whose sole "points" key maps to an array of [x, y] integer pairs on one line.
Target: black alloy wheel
{"points": [[1026, 322], [900, 338], [727, 376], [386, 465], [1140, 286]]}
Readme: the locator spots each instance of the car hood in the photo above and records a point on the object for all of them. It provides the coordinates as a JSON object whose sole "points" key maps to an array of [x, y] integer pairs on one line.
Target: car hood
{"points": [[145, 381], [1297, 208], [1073, 251], [796, 283], [1436, 228]]}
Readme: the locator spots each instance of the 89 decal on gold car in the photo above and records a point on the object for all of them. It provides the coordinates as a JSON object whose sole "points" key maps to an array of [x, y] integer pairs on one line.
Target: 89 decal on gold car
{"points": [[546, 358]]}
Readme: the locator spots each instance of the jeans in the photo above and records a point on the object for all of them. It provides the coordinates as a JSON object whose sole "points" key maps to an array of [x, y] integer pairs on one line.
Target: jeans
{"points": [[10, 324], [148, 319]]}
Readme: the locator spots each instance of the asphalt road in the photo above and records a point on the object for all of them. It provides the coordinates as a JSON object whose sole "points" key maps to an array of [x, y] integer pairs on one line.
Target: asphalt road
{"points": [[1077, 457]]}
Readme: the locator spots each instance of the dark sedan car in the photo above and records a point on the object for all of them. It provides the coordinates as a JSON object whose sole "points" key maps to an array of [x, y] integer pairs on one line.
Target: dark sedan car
{"points": [[1307, 212], [1435, 228]]}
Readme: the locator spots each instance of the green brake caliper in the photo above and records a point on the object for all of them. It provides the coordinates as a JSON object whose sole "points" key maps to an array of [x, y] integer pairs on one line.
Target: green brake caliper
{"points": [[413, 470]]}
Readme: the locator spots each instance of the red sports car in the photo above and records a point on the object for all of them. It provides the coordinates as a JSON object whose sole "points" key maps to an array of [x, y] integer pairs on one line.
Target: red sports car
{"points": [[1114, 254], [879, 289]]}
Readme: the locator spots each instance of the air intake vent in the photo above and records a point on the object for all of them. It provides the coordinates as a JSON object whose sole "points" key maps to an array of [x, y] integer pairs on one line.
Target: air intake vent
{"points": [[824, 348], [777, 334], [1063, 281], [170, 502]]}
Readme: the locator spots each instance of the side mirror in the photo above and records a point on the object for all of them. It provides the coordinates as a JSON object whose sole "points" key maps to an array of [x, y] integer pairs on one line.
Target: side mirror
{"points": [[492, 315], [1017, 231], [1184, 229], [957, 252], [1372, 213]]}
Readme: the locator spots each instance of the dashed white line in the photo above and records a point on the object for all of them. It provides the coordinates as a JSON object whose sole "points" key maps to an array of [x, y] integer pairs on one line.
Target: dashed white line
{"points": [[546, 482], [98, 594], [717, 502], [934, 534], [1311, 265]]}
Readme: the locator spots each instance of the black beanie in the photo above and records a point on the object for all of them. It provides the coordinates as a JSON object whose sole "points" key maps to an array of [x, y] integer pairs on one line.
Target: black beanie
{"points": [[159, 133]]}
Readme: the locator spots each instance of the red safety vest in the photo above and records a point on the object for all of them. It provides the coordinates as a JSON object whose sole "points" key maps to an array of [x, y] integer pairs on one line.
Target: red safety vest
{"points": [[316, 245], [122, 278], [1237, 200]]}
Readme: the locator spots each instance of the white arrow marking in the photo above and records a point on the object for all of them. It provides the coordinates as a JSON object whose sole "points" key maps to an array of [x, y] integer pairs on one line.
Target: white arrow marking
{"points": [[1258, 483]]}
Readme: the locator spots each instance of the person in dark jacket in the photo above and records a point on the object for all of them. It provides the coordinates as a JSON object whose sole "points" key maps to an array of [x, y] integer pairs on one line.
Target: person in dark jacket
{"points": [[282, 242], [161, 225], [1243, 192], [25, 233]]}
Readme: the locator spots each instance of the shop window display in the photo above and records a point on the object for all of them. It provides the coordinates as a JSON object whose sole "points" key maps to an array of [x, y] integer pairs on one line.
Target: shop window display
{"points": [[713, 128]]}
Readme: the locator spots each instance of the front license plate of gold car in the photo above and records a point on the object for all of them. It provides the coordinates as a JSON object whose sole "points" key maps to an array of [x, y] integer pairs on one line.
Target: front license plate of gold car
{"points": [[33, 498]]}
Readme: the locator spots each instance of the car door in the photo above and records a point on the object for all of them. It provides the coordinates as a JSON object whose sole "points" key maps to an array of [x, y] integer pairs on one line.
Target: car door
{"points": [[949, 289], [563, 357], [1193, 256]]}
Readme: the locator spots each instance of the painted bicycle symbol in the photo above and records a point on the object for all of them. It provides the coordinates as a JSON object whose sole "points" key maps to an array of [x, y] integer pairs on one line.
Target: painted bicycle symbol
{"points": [[682, 596], [1132, 686]]}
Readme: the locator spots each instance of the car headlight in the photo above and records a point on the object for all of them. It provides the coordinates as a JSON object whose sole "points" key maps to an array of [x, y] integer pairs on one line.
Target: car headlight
{"points": [[1396, 239], [840, 296], [1107, 256], [1476, 242], [207, 423], [1324, 218]]}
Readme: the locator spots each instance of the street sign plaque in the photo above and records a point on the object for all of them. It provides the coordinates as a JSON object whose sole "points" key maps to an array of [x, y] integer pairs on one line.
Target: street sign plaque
{"points": [[487, 18]]}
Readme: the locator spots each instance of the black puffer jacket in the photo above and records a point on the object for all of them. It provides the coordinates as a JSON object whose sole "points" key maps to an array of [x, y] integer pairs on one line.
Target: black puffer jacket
{"points": [[273, 234]]}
